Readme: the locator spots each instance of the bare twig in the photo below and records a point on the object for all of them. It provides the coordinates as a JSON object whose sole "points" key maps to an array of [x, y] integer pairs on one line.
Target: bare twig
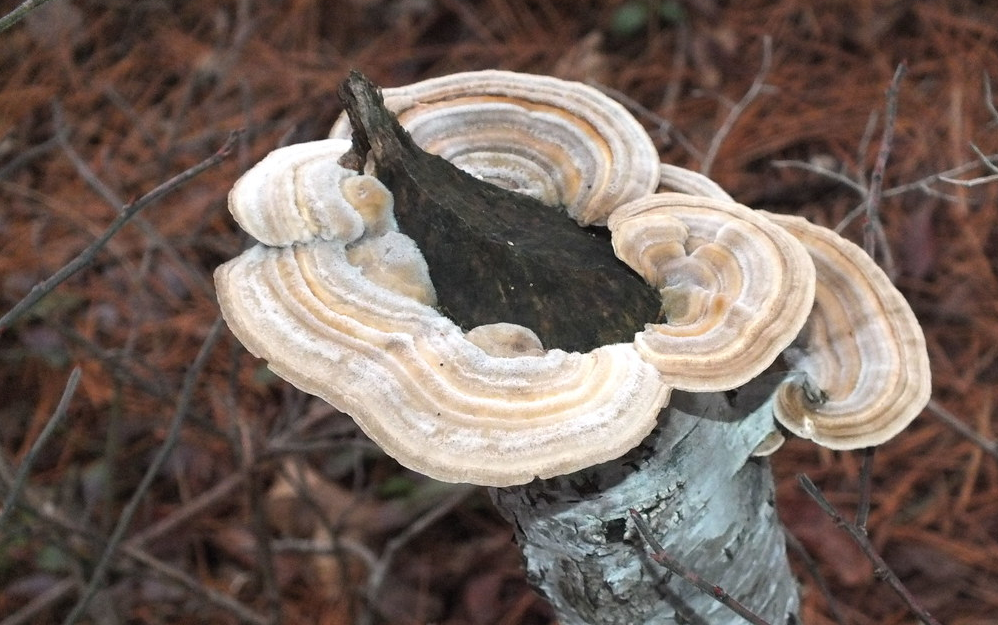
{"points": [[974, 182], [990, 166], [986, 162], [659, 555], [950, 419], [923, 184], [334, 547], [173, 434], [54, 517], [864, 145], [824, 171], [261, 536], [736, 111], [865, 488], [873, 226], [989, 99], [27, 155], [880, 568], [113, 199], [18, 13], [84, 258], [29, 459], [196, 588]]}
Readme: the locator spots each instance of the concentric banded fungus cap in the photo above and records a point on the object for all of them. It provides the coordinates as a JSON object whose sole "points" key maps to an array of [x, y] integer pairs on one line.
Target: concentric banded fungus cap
{"points": [[862, 350], [492, 409], [283, 211], [562, 142], [736, 289]]}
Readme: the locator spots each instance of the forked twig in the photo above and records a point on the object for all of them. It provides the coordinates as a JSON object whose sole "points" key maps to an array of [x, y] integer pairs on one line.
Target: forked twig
{"points": [[880, 568], [659, 555], [84, 258]]}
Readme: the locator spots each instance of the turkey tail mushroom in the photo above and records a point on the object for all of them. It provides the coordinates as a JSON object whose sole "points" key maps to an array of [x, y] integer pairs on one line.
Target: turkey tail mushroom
{"points": [[562, 142], [347, 317], [736, 289], [862, 350]]}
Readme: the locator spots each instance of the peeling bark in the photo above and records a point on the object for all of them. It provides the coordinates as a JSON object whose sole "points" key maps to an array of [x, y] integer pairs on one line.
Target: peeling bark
{"points": [[709, 504]]}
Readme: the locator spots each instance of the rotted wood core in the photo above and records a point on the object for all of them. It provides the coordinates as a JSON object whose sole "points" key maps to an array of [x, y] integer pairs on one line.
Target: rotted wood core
{"points": [[495, 255]]}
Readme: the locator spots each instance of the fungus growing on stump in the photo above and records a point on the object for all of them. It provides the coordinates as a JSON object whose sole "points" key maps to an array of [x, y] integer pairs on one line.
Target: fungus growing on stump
{"points": [[490, 334], [344, 305]]}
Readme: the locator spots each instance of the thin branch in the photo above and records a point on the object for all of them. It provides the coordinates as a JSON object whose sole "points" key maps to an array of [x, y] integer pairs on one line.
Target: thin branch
{"points": [[827, 173], [335, 547], [84, 258], [850, 217], [950, 419], [196, 588], [261, 536], [880, 568], [659, 555], [29, 459], [989, 99], [736, 111], [113, 199], [984, 159], [877, 176], [864, 145], [19, 13], [27, 155], [974, 182], [865, 487], [57, 519], [922, 184], [173, 434]]}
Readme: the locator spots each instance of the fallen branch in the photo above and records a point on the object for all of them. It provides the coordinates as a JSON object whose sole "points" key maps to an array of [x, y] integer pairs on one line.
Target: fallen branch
{"points": [[880, 568], [658, 554], [128, 212]]}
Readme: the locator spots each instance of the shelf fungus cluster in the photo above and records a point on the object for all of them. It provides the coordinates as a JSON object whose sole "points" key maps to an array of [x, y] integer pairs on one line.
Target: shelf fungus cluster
{"points": [[340, 302]]}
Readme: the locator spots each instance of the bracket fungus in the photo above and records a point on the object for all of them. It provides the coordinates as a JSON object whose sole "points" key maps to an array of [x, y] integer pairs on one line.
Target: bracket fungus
{"points": [[561, 142], [485, 408], [862, 354], [862, 350], [736, 288], [341, 299]]}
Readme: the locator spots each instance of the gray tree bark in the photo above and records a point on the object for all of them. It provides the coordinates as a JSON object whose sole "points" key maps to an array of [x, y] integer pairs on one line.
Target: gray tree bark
{"points": [[708, 503]]}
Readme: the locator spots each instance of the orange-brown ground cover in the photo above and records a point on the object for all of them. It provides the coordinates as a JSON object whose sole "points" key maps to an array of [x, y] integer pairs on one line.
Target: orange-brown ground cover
{"points": [[102, 101]]}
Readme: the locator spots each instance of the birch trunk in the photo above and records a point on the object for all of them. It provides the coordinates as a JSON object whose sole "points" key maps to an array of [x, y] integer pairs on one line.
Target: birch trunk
{"points": [[708, 502]]}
